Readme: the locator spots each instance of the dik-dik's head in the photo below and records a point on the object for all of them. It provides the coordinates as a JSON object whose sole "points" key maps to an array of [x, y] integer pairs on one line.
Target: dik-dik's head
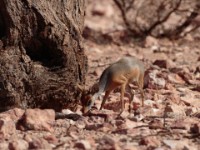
{"points": [[86, 99]]}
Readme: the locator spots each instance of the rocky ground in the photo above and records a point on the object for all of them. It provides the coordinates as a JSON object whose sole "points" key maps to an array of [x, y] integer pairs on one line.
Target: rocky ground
{"points": [[170, 118]]}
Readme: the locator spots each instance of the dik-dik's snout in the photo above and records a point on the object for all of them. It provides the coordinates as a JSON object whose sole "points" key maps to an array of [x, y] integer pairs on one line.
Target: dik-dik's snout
{"points": [[85, 109], [87, 103]]}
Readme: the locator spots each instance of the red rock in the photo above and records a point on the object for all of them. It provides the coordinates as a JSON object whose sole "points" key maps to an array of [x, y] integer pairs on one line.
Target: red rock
{"points": [[153, 81], [149, 111], [107, 127], [189, 98], [37, 119], [67, 111], [182, 124], [197, 88], [39, 143], [107, 142], [190, 111], [28, 137], [132, 124], [155, 48], [149, 102], [175, 111], [150, 141], [176, 69], [83, 144], [195, 128], [197, 70], [121, 131], [184, 73], [118, 122], [136, 105], [174, 98], [4, 145], [113, 105], [93, 126], [175, 78], [151, 41], [51, 139], [103, 10], [177, 144], [137, 117], [73, 129], [196, 114], [186, 76], [74, 135], [124, 114], [131, 146], [12, 115], [62, 123], [80, 124], [7, 128], [161, 63], [18, 145], [156, 124], [170, 87]]}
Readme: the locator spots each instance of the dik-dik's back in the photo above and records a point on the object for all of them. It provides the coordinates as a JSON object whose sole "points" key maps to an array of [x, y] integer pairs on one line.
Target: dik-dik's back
{"points": [[119, 74], [126, 70]]}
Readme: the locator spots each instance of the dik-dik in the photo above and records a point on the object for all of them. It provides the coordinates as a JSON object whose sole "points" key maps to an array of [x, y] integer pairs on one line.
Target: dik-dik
{"points": [[119, 74]]}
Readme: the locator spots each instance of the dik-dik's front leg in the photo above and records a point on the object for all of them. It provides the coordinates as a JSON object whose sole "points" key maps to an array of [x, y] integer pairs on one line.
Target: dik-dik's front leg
{"points": [[105, 98]]}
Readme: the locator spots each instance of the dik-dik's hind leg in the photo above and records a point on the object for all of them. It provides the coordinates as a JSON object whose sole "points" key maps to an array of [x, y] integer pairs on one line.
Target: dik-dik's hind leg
{"points": [[104, 99], [123, 88], [141, 84], [142, 95], [130, 91]]}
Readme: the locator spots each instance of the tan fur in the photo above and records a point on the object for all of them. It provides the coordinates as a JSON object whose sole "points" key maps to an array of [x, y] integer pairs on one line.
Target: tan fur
{"points": [[119, 74]]}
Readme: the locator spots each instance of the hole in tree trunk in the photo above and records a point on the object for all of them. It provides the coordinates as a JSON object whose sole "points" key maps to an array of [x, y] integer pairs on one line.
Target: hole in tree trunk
{"points": [[45, 52], [2, 26]]}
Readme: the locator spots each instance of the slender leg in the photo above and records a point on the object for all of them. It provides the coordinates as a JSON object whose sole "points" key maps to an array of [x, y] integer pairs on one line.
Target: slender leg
{"points": [[131, 97], [123, 87], [142, 95], [104, 99], [141, 84]]}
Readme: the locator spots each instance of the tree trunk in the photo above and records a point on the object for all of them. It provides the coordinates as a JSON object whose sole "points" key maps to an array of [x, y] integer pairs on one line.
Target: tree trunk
{"points": [[41, 53]]}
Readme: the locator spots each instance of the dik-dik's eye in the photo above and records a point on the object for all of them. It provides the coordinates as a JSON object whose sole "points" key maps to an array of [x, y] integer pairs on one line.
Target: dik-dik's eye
{"points": [[89, 102]]}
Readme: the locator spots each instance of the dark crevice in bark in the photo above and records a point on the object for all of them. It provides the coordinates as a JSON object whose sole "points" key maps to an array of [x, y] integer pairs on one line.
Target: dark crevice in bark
{"points": [[2, 27], [42, 49], [45, 52], [5, 22]]}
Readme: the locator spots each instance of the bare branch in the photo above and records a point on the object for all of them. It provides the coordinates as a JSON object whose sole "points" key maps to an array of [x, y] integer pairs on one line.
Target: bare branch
{"points": [[140, 24], [187, 22], [160, 21], [121, 5]]}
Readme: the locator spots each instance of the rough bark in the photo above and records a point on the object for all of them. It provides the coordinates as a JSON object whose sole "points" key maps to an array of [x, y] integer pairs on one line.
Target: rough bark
{"points": [[42, 56]]}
